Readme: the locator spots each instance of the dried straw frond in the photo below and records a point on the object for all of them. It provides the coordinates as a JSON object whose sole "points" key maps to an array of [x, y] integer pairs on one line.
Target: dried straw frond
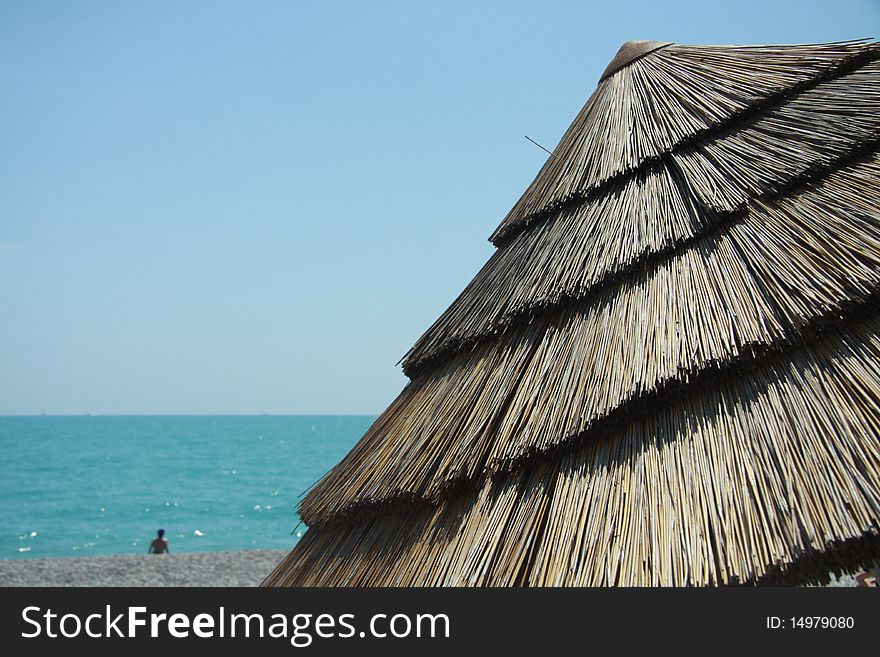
{"points": [[724, 486], [668, 99], [728, 298], [669, 372], [659, 209]]}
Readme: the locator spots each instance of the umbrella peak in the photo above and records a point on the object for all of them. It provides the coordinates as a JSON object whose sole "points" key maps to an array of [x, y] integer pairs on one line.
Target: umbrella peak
{"points": [[630, 52]]}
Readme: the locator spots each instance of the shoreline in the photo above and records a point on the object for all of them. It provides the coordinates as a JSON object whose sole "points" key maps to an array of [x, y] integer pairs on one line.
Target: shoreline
{"points": [[226, 568], [207, 569]]}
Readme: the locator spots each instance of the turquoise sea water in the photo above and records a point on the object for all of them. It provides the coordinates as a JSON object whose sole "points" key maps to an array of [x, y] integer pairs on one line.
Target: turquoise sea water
{"points": [[78, 486]]}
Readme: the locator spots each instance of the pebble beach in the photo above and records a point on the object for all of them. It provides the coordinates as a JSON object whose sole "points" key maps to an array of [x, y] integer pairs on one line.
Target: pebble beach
{"points": [[243, 568]]}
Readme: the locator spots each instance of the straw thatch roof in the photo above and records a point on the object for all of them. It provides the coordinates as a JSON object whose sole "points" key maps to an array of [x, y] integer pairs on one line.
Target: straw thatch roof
{"points": [[669, 371]]}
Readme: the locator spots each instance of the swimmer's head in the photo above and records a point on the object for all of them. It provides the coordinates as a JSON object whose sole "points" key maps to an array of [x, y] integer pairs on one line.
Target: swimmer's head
{"points": [[161, 533]]}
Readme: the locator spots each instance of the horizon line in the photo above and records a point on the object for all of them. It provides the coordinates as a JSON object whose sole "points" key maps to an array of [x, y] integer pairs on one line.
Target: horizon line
{"points": [[22, 415]]}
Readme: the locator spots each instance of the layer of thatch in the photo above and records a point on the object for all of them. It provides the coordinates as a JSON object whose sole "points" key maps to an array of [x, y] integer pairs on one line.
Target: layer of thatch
{"points": [[668, 372], [659, 208]]}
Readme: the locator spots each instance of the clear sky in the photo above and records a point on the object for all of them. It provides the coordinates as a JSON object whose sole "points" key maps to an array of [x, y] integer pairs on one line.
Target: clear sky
{"points": [[257, 207]]}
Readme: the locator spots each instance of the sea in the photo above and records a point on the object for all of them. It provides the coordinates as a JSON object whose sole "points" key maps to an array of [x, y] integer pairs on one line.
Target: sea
{"points": [[101, 485]]}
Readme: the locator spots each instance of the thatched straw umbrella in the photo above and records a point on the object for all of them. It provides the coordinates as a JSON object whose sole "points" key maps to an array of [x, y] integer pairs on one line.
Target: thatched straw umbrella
{"points": [[669, 371]]}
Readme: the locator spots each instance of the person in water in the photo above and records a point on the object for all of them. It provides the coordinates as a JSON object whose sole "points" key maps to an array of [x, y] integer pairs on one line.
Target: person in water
{"points": [[159, 545]]}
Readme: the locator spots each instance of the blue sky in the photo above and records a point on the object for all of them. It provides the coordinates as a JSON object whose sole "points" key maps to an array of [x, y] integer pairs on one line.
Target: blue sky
{"points": [[233, 207]]}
